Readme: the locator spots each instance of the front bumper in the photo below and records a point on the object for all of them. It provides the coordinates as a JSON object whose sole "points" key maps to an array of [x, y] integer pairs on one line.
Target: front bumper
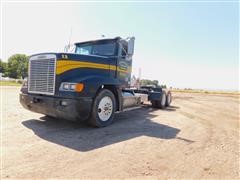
{"points": [[69, 109]]}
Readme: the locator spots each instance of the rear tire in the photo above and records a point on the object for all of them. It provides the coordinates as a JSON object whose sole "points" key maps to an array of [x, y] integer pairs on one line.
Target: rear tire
{"points": [[103, 109], [161, 104], [169, 99]]}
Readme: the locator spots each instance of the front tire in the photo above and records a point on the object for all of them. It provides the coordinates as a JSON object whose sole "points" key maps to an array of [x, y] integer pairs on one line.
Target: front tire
{"points": [[103, 109]]}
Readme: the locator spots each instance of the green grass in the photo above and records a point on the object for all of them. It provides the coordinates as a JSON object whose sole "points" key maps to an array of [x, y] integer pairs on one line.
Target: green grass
{"points": [[205, 91], [9, 83]]}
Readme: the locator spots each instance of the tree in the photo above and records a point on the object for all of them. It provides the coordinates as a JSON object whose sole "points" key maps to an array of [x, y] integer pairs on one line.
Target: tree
{"points": [[155, 82], [145, 82], [17, 66], [3, 67], [163, 86]]}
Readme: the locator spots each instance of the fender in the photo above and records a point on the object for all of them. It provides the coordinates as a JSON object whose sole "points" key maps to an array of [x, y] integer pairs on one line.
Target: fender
{"points": [[93, 83]]}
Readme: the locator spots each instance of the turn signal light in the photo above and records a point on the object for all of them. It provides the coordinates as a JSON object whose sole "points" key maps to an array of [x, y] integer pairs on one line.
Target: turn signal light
{"points": [[66, 86], [79, 87]]}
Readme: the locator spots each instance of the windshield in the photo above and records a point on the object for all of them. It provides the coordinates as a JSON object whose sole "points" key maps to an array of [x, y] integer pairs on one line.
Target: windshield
{"points": [[107, 49]]}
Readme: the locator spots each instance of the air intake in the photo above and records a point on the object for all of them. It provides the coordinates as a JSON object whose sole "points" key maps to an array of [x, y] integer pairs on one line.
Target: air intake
{"points": [[41, 79]]}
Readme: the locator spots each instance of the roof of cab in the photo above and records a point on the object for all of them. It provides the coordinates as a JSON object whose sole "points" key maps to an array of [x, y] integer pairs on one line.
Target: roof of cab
{"points": [[97, 40]]}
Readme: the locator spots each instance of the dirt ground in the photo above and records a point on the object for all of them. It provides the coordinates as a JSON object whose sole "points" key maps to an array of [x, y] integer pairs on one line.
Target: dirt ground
{"points": [[197, 137]]}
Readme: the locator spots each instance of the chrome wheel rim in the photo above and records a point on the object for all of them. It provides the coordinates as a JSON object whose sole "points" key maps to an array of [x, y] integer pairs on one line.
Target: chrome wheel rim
{"points": [[105, 108]]}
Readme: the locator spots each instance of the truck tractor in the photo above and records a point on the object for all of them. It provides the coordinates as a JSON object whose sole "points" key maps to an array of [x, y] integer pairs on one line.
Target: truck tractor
{"points": [[89, 85]]}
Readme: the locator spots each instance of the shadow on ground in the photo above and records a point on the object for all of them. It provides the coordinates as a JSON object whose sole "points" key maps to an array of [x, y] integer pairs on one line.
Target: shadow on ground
{"points": [[82, 137]]}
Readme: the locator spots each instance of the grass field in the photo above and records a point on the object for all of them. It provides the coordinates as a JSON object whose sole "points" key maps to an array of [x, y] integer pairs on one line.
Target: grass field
{"points": [[9, 83], [206, 91]]}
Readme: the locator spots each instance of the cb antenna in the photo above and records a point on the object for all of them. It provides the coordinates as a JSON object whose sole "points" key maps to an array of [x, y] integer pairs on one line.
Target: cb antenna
{"points": [[67, 47]]}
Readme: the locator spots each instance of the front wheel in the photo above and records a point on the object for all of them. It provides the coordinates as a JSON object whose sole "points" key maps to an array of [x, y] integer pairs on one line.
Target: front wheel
{"points": [[103, 109]]}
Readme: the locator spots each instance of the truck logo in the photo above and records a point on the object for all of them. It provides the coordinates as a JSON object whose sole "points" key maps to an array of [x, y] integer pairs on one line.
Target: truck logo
{"points": [[64, 56], [123, 65]]}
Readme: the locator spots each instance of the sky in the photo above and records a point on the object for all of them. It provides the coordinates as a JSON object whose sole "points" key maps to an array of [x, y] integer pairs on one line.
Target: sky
{"points": [[180, 44]]}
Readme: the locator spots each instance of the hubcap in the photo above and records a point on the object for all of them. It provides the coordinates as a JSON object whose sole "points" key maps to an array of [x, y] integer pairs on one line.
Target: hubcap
{"points": [[105, 108]]}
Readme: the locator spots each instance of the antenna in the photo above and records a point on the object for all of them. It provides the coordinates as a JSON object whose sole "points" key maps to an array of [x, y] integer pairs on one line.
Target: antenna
{"points": [[67, 47], [70, 37]]}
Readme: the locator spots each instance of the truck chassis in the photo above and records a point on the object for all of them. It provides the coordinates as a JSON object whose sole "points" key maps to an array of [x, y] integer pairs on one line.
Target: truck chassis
{"points": [[90, 84]]}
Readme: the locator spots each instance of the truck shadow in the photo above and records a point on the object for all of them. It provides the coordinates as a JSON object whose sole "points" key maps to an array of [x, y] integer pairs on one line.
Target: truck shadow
{"points": [[82, 137]]}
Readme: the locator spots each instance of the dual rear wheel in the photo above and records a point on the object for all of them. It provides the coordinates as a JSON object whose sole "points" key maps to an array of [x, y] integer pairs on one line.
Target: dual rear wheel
{"points": [[166, 99]]}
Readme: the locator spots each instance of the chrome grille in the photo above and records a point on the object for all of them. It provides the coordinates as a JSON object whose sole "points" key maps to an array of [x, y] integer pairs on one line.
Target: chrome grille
{"points": [[42, 74]]}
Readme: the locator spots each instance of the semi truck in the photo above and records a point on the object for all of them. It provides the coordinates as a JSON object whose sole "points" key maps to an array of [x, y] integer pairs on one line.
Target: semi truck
{"points": [[90, 84]]}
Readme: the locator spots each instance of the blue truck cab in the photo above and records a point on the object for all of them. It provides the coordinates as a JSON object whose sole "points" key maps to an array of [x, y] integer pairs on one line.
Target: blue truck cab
{"points": [[90, 84]]}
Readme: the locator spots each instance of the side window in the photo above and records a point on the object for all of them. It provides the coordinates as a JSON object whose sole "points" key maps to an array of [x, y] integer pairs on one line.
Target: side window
{"points": [[124, 51]]}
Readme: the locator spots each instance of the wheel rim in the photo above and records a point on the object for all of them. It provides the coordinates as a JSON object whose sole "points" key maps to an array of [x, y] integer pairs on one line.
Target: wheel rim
{"points": [[163, 101], [105, 108]]}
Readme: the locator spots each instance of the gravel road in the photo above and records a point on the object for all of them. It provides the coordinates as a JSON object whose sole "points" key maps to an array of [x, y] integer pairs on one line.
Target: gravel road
{"points": [[197, 137]]}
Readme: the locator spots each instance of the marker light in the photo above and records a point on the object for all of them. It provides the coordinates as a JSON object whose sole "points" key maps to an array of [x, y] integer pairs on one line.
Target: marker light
{"points": [[79, 87]]}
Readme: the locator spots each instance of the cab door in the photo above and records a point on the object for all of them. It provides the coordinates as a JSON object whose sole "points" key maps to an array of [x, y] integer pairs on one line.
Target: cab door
{"points": [[124, 66]]}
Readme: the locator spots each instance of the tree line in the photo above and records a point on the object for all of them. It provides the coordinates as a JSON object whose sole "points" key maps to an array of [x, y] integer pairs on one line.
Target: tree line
{"points": [[147, 82], [16, 67]]}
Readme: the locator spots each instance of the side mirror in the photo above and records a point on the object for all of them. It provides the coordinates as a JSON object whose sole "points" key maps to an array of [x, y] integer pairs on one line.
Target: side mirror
{"points": [[130, 42]]}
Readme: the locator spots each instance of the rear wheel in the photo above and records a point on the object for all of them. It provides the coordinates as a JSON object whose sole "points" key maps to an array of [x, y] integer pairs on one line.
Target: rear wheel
{"points": [[103, 109], [160, 103], [169, 99]]}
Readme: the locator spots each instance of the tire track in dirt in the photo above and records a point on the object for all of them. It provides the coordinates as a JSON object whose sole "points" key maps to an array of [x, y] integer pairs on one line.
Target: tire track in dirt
{"points": [[217, 137]]}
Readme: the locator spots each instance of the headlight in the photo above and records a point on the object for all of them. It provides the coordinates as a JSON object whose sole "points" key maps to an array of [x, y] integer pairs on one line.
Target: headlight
{"points": [[76, 87], [66, 86], [72, 86]]}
